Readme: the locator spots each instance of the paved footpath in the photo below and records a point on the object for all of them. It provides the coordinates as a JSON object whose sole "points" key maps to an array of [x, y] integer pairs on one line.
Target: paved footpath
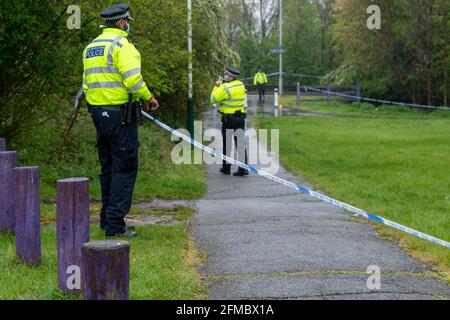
{"points": [[266, 241]]}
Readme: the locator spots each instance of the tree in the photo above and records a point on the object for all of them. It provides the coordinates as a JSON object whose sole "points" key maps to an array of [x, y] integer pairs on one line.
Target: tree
{"points": [[42, 66], [406, 60]]}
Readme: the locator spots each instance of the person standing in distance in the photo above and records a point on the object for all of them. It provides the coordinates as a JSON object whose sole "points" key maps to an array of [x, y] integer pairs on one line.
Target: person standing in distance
{"points": [[260, 81]]}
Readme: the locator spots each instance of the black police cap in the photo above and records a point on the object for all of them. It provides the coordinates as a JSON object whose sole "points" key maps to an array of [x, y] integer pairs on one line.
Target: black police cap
{"points": [[117, 12], [233, 71]]}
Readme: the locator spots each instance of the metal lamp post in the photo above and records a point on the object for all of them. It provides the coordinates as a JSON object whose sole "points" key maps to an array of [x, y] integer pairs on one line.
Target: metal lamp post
{"points": [[280, 46], [190, 103]]}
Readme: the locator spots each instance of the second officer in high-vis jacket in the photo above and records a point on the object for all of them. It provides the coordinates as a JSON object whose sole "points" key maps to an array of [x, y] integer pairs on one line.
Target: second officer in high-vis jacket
{"points": [[229, 93], [260, 81], [112, 83]]}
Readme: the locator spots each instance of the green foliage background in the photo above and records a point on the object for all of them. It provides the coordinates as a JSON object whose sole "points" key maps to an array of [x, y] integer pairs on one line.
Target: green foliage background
{"points": [[40, 57], [407, 60], [41, 63]]}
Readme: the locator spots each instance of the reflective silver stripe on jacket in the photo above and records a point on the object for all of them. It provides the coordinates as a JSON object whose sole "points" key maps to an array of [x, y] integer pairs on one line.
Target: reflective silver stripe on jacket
{"points": [[110, 58], [227, 90], [234, 86], [234, 100], [103, 85], [137, 86], [102, 40], [231, 107], [102, 70], [131, 73]]}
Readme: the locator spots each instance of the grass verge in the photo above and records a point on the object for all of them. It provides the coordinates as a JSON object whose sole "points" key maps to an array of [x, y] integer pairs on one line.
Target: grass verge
{"points": [[162, 262], [162, 256], [394, 164]]}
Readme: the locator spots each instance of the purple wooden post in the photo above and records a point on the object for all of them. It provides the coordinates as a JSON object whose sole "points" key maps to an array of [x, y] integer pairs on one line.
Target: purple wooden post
{"points": [[8, 161], [2, 144], [72, 228], [27, 211], [298, 93], [105, 270]]}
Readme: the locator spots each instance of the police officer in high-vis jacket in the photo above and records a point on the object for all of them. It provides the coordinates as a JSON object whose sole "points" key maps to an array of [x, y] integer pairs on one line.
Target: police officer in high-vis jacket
{"points": [[229, 93], [113, 83], [260, 81]]}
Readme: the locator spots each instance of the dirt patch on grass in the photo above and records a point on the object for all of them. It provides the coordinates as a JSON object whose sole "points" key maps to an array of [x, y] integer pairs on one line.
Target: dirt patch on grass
{"points": [[142, 220], [163, 213]]}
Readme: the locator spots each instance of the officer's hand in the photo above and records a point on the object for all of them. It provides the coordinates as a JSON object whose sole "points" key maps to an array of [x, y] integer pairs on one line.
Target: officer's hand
{"points": [[151, 105], [146, 106], [219, 82], [154, 104]]}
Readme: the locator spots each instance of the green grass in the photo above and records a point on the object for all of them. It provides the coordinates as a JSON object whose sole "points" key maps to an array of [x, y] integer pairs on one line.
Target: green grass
{"points": [[162, 257], [158, 177], [162, 262], [394, 164]]}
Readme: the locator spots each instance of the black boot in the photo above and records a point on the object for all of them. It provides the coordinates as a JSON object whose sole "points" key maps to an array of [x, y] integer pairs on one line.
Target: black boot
{"points": [[126, 234], [241, 172], [225, 171]]}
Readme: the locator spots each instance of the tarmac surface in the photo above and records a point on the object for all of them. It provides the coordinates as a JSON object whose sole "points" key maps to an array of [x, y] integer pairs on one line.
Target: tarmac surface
{"points": [[265, 241]]}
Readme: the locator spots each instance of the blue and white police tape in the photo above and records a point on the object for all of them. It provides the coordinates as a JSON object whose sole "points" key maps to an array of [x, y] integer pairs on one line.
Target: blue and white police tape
{"points": [[414, 105], [298, 187]]}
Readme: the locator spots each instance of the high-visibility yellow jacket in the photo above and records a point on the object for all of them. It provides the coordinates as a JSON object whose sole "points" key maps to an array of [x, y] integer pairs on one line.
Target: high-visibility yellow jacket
{"points": [[260, 78], [112, 69], [230, 96]]}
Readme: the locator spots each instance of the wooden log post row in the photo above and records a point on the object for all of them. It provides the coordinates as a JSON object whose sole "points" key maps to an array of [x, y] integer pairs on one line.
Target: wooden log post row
{"points": [[72, 230], [27, 212], [8, 161], [2, 144], [105, 270]]}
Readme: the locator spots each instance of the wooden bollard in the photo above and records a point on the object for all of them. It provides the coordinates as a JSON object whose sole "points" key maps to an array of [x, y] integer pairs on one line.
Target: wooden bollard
{"points": [[72, 229], [105, 270], [8, 161], [2, 144], [27, 212]]}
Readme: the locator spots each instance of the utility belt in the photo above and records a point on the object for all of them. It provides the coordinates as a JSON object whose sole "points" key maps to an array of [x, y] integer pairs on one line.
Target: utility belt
{"points": [[237, 114], [104, 108], [130, 111]]}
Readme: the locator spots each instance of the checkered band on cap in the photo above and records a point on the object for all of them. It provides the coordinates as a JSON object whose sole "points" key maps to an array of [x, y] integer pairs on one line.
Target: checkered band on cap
{"points": [[118, 17]]}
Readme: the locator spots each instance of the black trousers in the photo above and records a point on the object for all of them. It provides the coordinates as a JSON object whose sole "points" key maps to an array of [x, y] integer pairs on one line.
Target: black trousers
{"points": [[262, 92], [233, 122], [118, 154]]}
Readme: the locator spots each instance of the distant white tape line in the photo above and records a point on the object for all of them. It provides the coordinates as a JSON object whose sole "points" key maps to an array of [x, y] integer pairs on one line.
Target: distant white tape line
{"points": [[414, 105], [300, 188], [300, 75]]}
